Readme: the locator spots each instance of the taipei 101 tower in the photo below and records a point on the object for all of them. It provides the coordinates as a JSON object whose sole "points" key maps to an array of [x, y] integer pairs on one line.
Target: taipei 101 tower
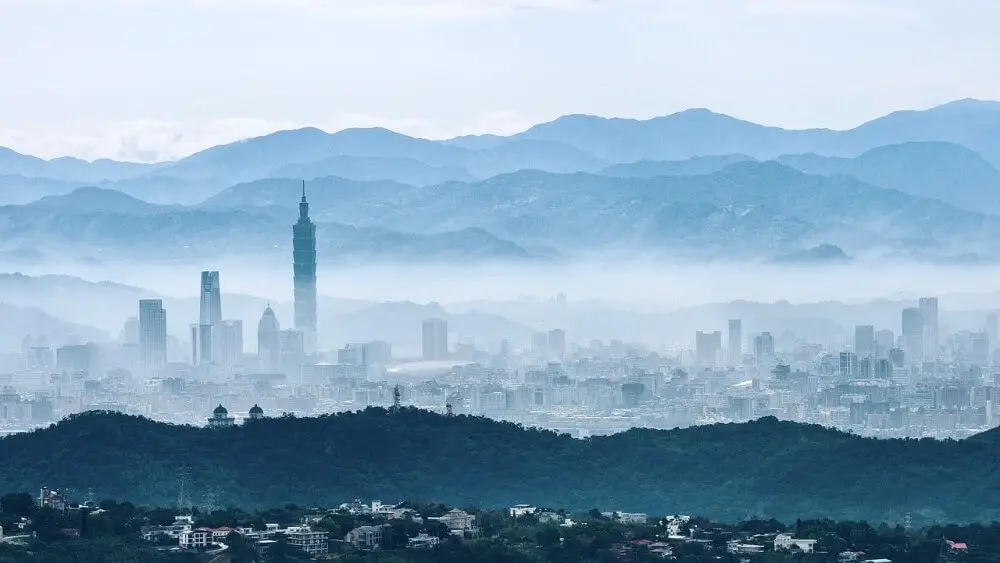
{"points": [[304, 265]]}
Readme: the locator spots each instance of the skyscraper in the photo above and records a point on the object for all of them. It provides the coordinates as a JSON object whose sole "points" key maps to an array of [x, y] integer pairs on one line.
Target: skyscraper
{"points": [[913, 334], [229, 343], [864, 340], [707, 346], [735, 342], [204, 334], [269, 342], [929, 313], [763, 350], [557, 343], [152, 334], [304, 278], [435, 339]]}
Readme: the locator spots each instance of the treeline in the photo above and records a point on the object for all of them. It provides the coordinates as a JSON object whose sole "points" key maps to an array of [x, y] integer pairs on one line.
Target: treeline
{"points": [[765, 468]]}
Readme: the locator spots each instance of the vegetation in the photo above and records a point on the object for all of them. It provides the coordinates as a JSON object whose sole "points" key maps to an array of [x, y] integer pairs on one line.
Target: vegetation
{"points": [[111, 533], [729, 472]]}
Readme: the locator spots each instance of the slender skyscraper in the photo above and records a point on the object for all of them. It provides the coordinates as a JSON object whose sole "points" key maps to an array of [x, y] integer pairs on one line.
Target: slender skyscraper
{"points": [[205, 335], [152, 334], [269, 342], [304, 267], [735, 342], [929, 313]]}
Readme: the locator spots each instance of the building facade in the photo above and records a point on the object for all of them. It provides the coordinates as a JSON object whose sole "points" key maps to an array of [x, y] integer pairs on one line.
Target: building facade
{"points": [[304, 274]]}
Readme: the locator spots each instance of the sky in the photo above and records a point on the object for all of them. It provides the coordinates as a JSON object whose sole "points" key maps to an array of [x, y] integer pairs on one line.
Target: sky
{"points": [[150, 80]]}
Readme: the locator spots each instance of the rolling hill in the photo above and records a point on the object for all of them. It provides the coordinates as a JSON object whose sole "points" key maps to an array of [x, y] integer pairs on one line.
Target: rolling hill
{"points": [[781, 469]]}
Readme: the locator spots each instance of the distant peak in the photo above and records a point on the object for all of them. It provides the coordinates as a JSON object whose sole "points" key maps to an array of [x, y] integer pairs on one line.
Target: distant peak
{"points": [[970, 103]]}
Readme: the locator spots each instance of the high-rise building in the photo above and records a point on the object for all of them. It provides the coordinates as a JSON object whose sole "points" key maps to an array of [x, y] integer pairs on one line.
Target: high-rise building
{"points": [[864, 341], [707, 346], [304, 274], [885, 340], [993, 329], [763, 350], [269, 342], [210, 315], [130, 332], [435, 339], [292, 345], [913, 334], [557, 343], [152, 334], [929, 313], [79, 359], [735, 342], [229, 343]]}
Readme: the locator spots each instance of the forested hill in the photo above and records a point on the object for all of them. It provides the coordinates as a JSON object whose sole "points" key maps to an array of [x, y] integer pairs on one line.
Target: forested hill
{"points": [[764, 468]]}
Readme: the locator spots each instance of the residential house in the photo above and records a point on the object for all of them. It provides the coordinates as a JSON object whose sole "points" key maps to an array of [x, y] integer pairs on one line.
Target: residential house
{"points": [[423, 541], [365, 538], [787, 542], [458, 521]]}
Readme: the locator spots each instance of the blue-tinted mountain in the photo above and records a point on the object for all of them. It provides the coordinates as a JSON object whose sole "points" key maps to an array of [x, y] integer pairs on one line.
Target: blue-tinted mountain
{"points": [[690, 167], [258, 158], [96, 221], [92, 199], [700, 132], [369, 169], [16, 322], [16, 189], [68, 168], [944, 171], [820, 254], [747, 209], [324, 194]]}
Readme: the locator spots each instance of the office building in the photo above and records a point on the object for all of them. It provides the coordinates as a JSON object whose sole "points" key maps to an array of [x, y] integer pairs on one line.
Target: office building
{"points": [[735, 342], [210, 315], [864, 341], [435, 339], [885, 340], [913, 334], [229, 343], [152, 334], [269, 342], [557, 343], [79, 359], [292, 345], [929, 313], [763, 350], [707, 347], [304, 275]]}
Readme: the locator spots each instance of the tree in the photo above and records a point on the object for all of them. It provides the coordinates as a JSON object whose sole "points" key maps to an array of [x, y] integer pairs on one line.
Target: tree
{"points": [[17, 504]]}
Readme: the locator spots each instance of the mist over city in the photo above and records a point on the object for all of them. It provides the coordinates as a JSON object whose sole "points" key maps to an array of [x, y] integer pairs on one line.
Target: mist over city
{"points": [[538, 281]]}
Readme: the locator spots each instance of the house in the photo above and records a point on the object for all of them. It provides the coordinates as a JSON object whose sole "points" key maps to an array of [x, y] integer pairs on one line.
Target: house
{"points": [[170, 532], [313, 542], [457, 520], [422, 541], [519, 510], [365, 538], [198, 538], [632, 517], [786, 542], [49, 498]]}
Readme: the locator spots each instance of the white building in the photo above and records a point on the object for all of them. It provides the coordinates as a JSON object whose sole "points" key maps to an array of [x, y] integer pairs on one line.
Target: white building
{"points": [[457, 520], [313, 542], [519, 510], [786, 542]]}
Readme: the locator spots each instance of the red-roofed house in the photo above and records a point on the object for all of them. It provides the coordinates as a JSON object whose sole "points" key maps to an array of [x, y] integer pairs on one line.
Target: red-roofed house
{"points": [[957, 546]]}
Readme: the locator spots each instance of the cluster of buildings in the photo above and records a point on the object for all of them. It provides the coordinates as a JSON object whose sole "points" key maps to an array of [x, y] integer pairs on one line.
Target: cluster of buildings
{"points": [[914, 383]]}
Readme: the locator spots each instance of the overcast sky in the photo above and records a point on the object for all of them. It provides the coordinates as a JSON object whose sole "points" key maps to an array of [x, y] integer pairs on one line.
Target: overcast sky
{"points": [[154, 79]]}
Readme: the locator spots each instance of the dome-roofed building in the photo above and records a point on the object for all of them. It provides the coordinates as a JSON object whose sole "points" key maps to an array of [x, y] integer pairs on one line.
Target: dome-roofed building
{"points": [[256, 413], [220, 418]]}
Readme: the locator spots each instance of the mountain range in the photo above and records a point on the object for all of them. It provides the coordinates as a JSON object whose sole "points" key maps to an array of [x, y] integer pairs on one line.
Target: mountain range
{"points": [[913, 184], [768, 468]]}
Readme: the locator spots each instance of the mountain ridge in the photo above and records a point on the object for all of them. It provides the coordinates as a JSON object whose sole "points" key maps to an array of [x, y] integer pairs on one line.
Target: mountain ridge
{"points": [[784, 469]]}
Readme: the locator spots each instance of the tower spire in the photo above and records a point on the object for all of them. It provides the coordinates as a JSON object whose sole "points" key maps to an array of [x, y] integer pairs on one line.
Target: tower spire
{"points": [[303, 191]]}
